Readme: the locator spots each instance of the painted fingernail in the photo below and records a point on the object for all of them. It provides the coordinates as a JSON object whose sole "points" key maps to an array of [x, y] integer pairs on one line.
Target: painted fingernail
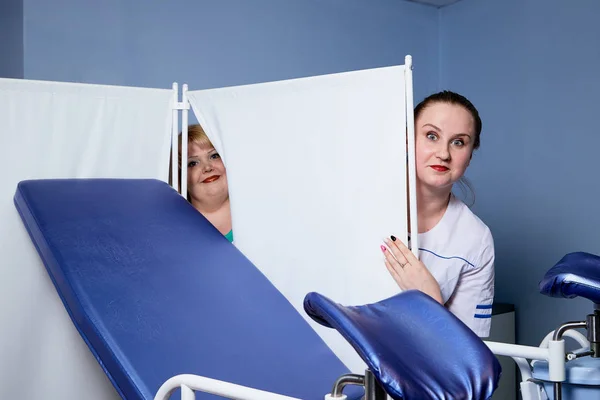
{"points": [[382, 247], [393, 237]]}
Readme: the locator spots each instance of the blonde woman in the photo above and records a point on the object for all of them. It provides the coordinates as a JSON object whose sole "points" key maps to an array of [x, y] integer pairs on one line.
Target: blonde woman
{"points": [[207, 185]]}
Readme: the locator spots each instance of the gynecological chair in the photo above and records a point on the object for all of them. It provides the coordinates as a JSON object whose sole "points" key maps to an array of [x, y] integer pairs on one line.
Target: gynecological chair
{"points": [[166, 304]]}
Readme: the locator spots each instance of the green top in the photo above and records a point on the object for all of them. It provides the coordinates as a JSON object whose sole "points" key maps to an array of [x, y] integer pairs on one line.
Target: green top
{"points": [[229, 236]]}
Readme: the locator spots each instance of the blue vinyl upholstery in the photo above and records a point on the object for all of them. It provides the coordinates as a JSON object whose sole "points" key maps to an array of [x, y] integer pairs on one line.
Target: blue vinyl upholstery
{"points": [[156, 291], [576, 274], [415, 347]]}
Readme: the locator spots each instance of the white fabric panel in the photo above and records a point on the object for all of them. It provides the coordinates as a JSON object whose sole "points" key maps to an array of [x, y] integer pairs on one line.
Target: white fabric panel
{"points": [[317, 177], [63, 130]]}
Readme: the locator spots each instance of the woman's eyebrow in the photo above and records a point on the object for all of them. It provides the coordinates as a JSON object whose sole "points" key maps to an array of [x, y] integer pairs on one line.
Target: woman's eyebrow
{"points": [[433, 126], [439, 130]]}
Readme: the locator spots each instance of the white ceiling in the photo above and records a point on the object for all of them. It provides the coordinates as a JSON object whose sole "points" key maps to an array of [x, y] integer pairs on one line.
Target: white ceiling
{"points": [[435, 3]]}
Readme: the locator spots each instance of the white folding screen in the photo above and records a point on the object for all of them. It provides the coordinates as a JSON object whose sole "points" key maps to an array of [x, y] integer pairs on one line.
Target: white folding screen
{"points": [[63, 130], [317, 172]]}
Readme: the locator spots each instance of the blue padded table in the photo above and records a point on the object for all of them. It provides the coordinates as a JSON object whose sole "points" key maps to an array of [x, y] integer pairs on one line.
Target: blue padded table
{"points": [[156, 291]]}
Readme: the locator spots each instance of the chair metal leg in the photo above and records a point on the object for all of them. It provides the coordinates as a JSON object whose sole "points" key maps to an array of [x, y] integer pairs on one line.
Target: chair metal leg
{"points": [[373, 390], [558, 336]]}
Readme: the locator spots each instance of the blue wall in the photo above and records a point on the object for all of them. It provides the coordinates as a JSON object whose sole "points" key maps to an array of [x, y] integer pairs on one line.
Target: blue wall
{"points": [[213, 43], [532, 69], [11, 38]]}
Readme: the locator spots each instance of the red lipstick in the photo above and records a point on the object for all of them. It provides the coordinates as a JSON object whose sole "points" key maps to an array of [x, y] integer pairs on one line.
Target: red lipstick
{"points": [[440, 168], [211, 178]]}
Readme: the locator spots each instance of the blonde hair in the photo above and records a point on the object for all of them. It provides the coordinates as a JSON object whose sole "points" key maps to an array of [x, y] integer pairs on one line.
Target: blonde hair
{"points": [[195, 135]]}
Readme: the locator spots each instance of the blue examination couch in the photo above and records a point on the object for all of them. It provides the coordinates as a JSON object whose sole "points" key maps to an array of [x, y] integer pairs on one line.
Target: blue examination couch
{"points": [[156, 291]]}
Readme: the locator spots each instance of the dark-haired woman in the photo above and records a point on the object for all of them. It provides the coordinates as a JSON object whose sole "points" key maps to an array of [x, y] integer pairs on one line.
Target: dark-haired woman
{"points": [[456, 249]]}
